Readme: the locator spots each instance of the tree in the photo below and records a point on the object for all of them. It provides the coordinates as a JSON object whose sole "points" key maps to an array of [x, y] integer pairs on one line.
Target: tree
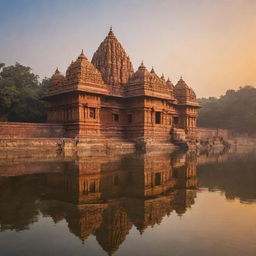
{"points": [[236, 110], [20, 94]]}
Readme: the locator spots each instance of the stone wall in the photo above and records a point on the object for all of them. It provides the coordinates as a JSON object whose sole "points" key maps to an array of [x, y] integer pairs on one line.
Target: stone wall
{"points": [[217, 138], [203, 133], [9, 130]]}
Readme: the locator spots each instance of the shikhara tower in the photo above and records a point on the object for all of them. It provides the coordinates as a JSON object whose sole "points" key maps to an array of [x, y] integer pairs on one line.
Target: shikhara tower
{"points": [[106, 98]]}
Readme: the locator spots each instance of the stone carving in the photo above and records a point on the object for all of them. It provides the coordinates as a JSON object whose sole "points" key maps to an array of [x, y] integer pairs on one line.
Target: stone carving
{"points": [[106, 97], [111, 60], [184, 93], [83, 72]]}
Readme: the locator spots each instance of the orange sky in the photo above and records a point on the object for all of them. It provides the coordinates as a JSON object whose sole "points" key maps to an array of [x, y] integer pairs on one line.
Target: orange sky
{"points": [[211, 43]]}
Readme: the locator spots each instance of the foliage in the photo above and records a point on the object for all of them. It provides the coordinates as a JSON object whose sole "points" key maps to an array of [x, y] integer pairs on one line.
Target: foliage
{"points": [[236, 110], [20, 94]]}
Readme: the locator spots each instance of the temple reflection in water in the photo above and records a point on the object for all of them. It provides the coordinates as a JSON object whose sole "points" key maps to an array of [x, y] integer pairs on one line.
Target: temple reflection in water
{"points": [[103, 196], [109, 196]]}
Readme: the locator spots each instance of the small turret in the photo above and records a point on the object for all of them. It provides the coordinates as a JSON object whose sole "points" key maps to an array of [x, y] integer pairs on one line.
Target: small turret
{"points": [[83, 72], [183, 92], [56, 81]]}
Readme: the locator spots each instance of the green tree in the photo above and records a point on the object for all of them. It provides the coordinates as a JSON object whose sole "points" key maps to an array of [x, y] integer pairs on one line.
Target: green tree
{"points": [[236, 110], [20, 94]]}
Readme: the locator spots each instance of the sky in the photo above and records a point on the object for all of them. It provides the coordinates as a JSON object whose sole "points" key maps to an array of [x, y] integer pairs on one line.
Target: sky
{"points": [[211, 43]]}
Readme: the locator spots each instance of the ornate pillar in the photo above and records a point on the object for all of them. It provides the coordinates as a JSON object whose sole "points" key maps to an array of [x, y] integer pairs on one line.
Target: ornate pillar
{"points": [[97, 113], [153, 116]]}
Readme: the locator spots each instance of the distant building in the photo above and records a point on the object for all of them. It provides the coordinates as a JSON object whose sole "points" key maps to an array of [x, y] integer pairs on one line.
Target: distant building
{"points": [[105, 97]]}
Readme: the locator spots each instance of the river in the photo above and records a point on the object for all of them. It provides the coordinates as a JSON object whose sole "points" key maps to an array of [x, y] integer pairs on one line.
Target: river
{"points": [[129, 204]]}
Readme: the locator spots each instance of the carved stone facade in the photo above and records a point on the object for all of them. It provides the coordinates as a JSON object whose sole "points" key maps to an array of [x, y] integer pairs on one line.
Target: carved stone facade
{"points": [[105, 97]]}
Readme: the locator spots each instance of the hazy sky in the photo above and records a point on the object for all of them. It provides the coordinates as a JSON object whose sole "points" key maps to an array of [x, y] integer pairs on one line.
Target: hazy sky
{"points": [[212, 43]]}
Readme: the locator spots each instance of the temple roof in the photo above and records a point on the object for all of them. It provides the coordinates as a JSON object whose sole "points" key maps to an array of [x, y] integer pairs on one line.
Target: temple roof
{"points": [[184, 93], [57, 75], [112, 61], [141, 74], [170, 84], [181, 84], [83, 72]]}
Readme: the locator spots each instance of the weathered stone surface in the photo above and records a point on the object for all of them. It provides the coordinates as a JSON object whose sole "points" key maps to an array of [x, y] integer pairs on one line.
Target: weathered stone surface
{"points": [[30, 130]]}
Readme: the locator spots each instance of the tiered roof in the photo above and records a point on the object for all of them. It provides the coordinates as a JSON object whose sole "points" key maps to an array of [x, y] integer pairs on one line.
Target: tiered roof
{"points": [[184, 94], [111, 73]]}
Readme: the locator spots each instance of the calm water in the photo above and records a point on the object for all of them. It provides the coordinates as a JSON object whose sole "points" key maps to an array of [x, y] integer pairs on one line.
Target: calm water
{"points": [[151, 204]]}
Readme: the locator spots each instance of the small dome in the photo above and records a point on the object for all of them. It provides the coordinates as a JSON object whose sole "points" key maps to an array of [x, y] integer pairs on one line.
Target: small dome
{"points": [[83, 71], [57, 76], [141, 73], [183, 92], [56, 80], [181, 84]]}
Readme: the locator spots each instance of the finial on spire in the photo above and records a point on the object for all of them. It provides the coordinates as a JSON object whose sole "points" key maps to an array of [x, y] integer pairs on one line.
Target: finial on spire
{"points": [[142, 66], [110, 33], [181, 77], [57, 71], [168, 80], [82, 56], [162, 77], [152, 70]]}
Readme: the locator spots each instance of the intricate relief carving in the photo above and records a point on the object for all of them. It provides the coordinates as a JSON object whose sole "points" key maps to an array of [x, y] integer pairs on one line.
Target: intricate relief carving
{"points": [[56, 81], [83, 72], [111, 60], [184, 93]]}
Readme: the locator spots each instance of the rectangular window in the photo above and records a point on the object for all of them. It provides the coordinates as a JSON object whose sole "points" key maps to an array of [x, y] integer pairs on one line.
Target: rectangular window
{"points": [[129, 118], [92, 113], [175, 121], [158, 178], [175, 174], [115, 180], [116, 117], [92, 187], [158, 117]]}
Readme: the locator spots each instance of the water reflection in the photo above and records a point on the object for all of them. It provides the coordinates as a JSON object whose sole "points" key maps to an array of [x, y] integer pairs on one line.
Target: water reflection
{"points": [[234, 175], [107, 196]]}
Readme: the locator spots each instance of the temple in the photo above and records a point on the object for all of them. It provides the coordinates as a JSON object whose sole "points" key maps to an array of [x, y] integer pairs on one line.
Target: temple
{"points": [[107, 98]]}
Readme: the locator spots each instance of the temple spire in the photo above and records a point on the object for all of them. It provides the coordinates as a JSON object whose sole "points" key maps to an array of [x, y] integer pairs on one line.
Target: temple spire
{"points": [[112, 61], [152, 70]]}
